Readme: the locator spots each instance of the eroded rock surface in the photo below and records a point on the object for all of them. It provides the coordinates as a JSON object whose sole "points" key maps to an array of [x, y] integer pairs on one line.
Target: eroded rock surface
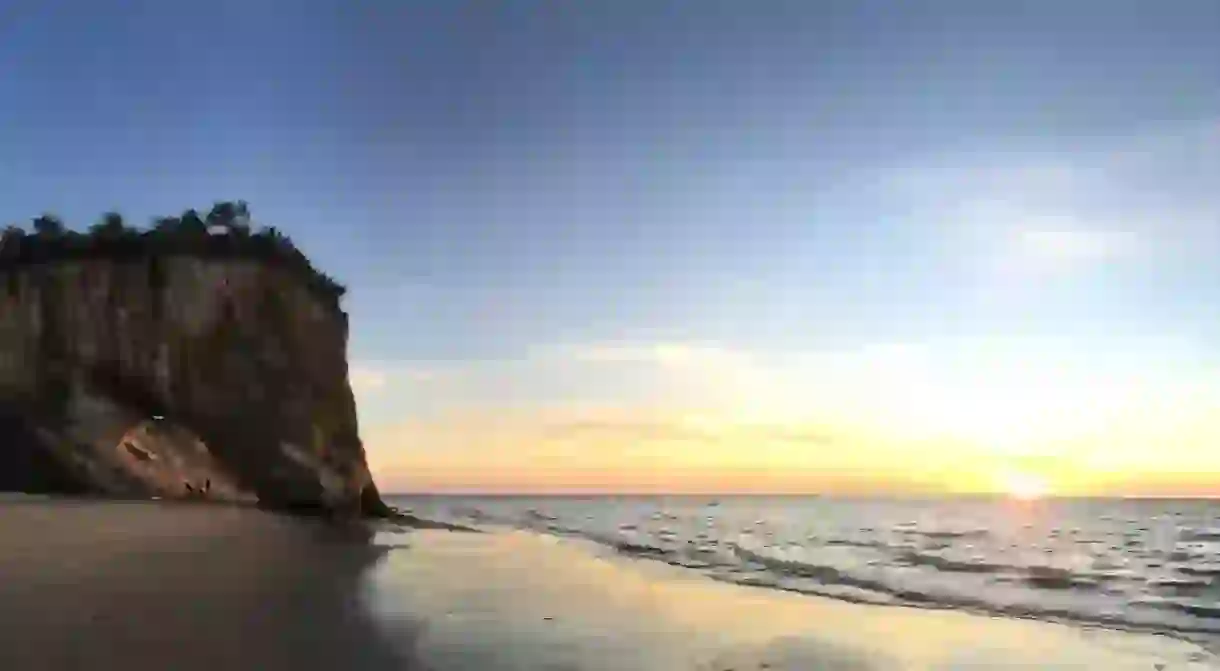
{"points": [[177, 377]]}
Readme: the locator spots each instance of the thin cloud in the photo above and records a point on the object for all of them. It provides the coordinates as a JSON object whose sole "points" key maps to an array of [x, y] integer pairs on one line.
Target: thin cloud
{"points": [[372, 377], [667, 354], [1150, 192], [364, 379], [678, 429], [416, 375], [1079, 244]]}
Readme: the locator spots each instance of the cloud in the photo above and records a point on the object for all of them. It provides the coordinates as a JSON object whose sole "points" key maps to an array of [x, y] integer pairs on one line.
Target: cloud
{"points": [[667, 354], [675, 405], [370, 378], [602, 447], [644, 425], [1010, 395], [953, 410], [1151, 192], [1068, 244], [418, 375], [365, 380]]}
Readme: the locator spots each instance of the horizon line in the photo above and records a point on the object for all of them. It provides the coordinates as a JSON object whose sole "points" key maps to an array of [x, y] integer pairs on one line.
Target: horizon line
{"points": [[827, 495]]}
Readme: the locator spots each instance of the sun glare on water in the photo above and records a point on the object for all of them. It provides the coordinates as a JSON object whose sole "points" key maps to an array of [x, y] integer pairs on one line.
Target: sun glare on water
{"points": [[1024, 486]]}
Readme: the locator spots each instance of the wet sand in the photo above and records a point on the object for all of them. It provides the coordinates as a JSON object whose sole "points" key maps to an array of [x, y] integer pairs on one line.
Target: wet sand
{"points": [[520, 601], [132, 586]]}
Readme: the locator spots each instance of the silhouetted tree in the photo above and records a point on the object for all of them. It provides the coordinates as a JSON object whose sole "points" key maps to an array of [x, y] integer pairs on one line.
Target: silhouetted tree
{"points": [[11, 241], [223, 213], [233, 216], [166, 226], [168, 236], [111, 227], [49, 226], [192, 224]]}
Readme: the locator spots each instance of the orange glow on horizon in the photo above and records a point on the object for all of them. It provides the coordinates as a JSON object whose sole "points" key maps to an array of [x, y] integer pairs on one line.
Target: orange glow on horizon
{"points": [[531, 476], [645, 449]]}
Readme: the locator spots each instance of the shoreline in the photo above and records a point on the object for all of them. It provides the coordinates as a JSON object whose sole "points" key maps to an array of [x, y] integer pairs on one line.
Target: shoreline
{"points": [[529, 600], [1116, 601], [1208, 640], [152, 585]]}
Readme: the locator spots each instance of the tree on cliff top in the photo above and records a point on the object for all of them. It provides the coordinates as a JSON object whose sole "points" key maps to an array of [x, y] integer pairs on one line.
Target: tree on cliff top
{"points": [[233, 216], [166, 225], [184, 235], [49, 226], [111, 227], [191, 223], [11, 240]]}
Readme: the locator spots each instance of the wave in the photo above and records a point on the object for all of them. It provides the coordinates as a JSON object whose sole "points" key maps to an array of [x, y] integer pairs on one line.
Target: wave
{"points": [[966, 569], [902, 585]]}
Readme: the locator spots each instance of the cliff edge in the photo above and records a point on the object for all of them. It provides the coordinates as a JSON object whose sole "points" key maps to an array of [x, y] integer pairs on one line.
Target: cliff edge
{"points": [[174, 364]]}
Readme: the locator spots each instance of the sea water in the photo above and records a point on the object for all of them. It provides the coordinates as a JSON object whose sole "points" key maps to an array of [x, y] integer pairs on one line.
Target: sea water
{"points": [[1150, 564]]}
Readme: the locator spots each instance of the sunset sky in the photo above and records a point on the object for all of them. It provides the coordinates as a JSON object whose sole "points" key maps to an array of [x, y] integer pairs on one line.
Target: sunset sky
{"points": [[644, 245]]}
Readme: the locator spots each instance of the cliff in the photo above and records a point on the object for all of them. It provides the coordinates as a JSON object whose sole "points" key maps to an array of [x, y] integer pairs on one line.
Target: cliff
{"points": [[177, 376]]}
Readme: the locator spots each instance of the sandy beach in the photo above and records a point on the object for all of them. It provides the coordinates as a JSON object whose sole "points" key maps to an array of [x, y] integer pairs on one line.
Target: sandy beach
{"points": [[88, 585], [161, 586]]}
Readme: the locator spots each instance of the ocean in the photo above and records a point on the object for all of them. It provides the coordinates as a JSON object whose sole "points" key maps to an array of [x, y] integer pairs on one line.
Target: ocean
{"points": [[1140, 564]]}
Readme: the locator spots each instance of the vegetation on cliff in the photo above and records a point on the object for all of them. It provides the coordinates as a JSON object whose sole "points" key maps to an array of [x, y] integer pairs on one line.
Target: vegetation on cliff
{"points": [[225, 232]]}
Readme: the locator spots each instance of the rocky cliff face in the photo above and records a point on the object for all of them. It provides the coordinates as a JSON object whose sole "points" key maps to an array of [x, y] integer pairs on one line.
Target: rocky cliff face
{"points": [[176, 376]]}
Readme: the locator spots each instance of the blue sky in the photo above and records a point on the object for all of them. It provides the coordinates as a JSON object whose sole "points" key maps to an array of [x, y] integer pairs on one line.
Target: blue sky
{"points": [[505, 184]]}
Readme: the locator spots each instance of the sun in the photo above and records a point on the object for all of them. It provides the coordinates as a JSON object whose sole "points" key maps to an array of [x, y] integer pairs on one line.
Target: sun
{"points": [[1023, 486]]}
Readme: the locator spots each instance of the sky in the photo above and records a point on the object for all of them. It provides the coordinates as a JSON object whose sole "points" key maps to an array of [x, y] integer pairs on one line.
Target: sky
{"points": [[712, 246]]}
